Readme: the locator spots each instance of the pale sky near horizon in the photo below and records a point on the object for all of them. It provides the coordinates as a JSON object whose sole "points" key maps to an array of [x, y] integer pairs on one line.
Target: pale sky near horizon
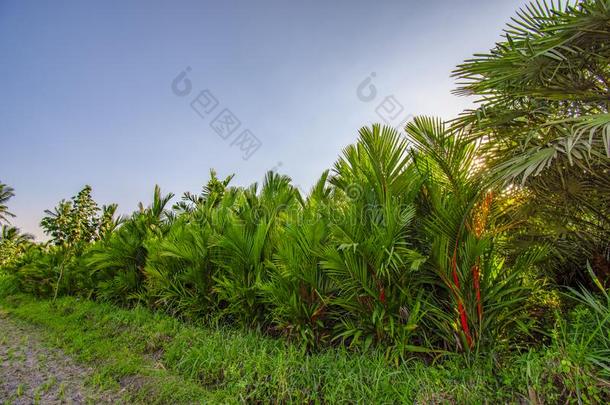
{"points": [[88, 98]]}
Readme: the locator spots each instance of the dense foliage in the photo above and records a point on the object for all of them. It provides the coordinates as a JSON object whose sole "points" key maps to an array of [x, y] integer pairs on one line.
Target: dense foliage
{"points": [[544, 109], [451, 237]]}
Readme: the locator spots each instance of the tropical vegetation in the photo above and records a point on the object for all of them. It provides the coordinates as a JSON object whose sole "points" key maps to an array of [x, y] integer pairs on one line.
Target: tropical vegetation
{"points": [[475, 239]]}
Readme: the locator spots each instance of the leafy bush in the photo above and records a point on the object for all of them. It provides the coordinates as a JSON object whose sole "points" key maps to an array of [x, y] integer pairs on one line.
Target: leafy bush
{"points": [[430, 242], [179, 271]]}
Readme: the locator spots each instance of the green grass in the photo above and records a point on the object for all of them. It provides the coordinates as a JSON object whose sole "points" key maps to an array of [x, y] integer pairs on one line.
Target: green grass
{"points": [[163, 360]]}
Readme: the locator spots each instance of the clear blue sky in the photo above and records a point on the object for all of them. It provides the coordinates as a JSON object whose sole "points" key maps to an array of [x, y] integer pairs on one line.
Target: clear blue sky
{"points": [[87, 95]]}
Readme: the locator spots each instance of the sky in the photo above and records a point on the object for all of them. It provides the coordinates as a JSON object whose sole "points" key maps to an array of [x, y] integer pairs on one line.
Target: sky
{"points": [[123, 95]]}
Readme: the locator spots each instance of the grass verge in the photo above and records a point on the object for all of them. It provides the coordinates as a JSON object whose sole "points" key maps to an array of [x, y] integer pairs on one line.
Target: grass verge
{"points": [[162, 360]]}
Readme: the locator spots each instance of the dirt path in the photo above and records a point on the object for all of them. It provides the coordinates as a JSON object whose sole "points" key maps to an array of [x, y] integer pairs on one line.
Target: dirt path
{"points": [[31, 373]]}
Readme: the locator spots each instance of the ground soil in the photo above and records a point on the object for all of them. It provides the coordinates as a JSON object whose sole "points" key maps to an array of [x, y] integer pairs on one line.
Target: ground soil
{"points": [[31, 373]]}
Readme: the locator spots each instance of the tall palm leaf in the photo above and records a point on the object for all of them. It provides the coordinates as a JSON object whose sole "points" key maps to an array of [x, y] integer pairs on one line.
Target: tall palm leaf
{"points": [[544, 116], [476, 302], [6, 193]]}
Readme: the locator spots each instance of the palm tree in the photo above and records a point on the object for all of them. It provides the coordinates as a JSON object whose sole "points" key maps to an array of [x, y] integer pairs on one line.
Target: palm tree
{"points": [[545, 90], [56, 223], [118, 262], [372, 259], [6, 193], [211, 193], [12, 244], [10, 233], [247, 240], [544, 117], [179, 272], [480, 300]]}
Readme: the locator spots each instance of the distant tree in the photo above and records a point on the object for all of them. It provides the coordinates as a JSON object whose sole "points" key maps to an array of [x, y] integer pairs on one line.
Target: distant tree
{"points": [[84, 216], [211, 193], [56, 223], [6, 193], [12, 241], [78, 221], [108, 221], [74, 224], [12, 244]]}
